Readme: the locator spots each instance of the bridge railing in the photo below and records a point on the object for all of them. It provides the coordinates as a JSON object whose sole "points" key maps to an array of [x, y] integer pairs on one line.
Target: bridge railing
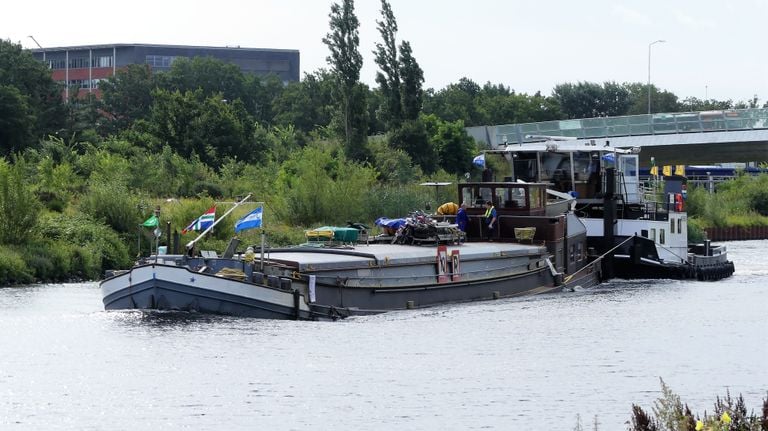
{"points": [[634, 125]]}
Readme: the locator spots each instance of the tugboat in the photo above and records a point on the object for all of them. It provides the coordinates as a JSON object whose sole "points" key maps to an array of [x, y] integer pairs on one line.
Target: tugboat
{"points": [[643, 230]]}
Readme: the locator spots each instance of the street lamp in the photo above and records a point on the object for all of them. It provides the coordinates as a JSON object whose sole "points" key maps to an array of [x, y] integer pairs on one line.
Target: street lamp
{"points": [[38, 45], [649, 71], [35, 40]]}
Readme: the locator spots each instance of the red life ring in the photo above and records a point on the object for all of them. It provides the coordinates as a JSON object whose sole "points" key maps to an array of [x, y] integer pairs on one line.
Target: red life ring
{"points": [[678, 202]]}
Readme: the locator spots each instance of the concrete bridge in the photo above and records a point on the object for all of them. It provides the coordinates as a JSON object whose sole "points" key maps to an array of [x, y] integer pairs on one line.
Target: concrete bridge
{"points": [[685, 138]]}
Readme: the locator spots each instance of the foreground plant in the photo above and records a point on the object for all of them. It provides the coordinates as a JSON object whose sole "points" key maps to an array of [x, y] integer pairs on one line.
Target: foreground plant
{"points": [[670, 414]]}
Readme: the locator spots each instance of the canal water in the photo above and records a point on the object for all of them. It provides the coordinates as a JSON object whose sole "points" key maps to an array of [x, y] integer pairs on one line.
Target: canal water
{"points": [[530, 363]]}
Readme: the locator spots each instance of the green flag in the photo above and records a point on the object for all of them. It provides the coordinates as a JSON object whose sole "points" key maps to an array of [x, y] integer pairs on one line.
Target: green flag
{"points": [[151, 222]]}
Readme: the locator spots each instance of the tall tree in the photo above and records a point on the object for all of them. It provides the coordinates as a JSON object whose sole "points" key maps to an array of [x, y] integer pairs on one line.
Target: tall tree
{"points": [[413, 138], [345, 60], [306, 105], [456, 102], [411, 92], [127, 96], [29, 96], [210, 75], [451, 144], [209, 127], [662, 100], [17, 121], [388, 77], [588, 99]]}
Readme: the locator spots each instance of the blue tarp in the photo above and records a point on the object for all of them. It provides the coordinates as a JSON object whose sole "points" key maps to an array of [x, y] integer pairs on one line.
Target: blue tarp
{"points": [[393, 223]]}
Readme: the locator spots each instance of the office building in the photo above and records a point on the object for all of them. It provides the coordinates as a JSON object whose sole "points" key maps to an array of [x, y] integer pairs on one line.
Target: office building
{"points": [[83, 67]]}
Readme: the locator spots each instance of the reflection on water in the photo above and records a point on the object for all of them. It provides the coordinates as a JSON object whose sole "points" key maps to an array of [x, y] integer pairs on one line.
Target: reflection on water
{"points": [[523, 363], [166, 319]]}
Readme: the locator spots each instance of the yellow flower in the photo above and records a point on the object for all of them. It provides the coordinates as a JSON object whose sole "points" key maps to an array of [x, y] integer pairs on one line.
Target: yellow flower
{"points": [[725, 418], [699, 425]]}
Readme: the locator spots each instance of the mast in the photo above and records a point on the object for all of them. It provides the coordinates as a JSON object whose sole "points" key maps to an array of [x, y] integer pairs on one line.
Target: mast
{"points": [[192, 243], [609, 218]]}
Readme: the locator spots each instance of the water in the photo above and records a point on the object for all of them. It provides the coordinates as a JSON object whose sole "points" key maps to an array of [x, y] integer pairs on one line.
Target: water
{"points": [[531, 363]]}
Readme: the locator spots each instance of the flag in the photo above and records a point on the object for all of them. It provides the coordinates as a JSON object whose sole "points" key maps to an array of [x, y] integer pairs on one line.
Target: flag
{"points": [[655, 171], [203, 222], [667, 171], [151, 222], [680, 170], [251, 220], [479, 161]]}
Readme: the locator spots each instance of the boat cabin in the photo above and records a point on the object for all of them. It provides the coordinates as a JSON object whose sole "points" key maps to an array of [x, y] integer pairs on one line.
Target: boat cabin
{"points": [[574, 167], [507, 198], [520, 212]]}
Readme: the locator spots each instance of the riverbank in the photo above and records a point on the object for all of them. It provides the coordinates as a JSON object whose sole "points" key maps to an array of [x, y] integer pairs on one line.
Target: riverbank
{"points": [[738, 210]]}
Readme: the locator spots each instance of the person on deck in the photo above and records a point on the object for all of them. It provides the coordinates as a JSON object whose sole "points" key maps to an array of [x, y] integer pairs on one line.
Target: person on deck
{"points": [[490, 218], [462, 219]]}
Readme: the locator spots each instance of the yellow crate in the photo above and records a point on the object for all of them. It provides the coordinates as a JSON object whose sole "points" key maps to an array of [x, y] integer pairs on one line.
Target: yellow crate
{"points": [[525, 233]]}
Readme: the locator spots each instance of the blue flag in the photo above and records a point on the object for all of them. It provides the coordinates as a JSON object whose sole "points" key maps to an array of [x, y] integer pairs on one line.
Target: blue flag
{"points": [[251, 220], [479, 161]]}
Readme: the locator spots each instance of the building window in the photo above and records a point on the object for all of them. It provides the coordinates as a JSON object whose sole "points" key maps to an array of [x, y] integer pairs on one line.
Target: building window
{"points": [[671, 225], [653, 234], [680, 225], [57, 63], [102, 61], [83, 83], [160, 61], [661, 236], [78, 63]]}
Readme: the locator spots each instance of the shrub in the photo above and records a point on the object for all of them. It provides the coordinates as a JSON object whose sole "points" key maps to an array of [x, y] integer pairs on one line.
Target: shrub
{"points": [[695, 230], [742, 201], [277, 235], [86, 262], [207, 188], [318, 184], [19, 208], [13, 269], [112, 202], [760, 202], [396, 201], [81, 245]]}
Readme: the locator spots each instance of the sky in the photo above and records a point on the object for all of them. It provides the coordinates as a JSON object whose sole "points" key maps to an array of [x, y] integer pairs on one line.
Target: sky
{"points": [[712, 49]]}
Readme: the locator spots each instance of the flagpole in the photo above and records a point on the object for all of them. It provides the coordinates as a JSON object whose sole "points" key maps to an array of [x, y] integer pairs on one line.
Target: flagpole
{"points": [[262, 250], [192, 243]]}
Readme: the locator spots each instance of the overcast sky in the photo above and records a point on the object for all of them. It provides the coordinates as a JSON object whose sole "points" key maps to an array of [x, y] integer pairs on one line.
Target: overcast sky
{"points": [[716, 49]]}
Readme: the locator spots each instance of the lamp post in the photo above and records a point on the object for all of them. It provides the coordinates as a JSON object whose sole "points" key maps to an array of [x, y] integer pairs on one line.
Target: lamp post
{"points": [[649, 71], [38, 45], [35, 40]]}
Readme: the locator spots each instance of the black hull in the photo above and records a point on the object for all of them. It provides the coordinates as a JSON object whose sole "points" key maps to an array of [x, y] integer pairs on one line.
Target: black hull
{"points": [[630, 270]]}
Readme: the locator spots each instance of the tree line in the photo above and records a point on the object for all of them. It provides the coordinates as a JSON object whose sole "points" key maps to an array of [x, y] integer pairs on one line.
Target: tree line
{"points": [[211, 109]]}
